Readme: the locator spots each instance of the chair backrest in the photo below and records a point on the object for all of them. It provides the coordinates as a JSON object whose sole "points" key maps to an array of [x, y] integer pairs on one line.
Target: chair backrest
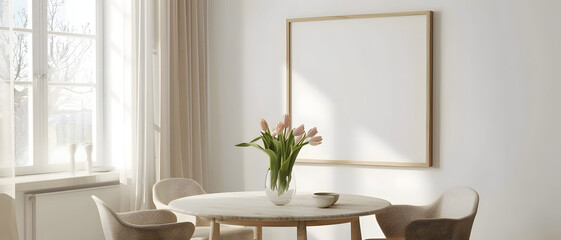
{"points": [[456, 206], [170, 189], [142, 225], [461, 204], [8, 224], [456, 203], [110, 222]]}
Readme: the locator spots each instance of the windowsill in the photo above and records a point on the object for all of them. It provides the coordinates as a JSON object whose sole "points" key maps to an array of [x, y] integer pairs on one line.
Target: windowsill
{"points": [[65, 181]]}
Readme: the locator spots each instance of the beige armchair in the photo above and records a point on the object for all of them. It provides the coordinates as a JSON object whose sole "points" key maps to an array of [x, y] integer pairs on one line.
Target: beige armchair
{"points": [[170, 189], [449, 218], [142, 225], [8, 224]]}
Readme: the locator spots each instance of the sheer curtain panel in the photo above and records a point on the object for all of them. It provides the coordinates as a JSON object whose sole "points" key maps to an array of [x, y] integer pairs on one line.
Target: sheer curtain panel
{"points": [[7, 154], [139, 170], [8, 227]]}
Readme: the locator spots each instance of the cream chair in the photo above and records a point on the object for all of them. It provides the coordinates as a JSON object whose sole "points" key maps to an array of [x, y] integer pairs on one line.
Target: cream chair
{"points": [[449, 218], [170, 189], [8, 224], [142, 225]]}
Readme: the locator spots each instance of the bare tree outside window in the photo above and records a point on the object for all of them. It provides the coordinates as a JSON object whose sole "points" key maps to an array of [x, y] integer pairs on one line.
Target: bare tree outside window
{"points": [[68, 55], [20, 55], [71, 60], [71, 75], [5, 52]]}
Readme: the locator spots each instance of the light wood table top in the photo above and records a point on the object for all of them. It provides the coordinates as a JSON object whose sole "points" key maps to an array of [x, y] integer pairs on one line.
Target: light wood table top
{"points": [[255, 209]]}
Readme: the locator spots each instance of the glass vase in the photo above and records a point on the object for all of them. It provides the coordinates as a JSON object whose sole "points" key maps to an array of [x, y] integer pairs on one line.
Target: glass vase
{"points": [[280, 189]]}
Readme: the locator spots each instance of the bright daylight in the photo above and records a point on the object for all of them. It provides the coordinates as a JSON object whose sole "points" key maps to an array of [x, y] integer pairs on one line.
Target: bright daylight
{"points": [[279, 120]]}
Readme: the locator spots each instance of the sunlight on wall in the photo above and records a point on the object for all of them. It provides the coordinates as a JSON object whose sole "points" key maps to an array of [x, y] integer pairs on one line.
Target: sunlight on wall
{"points": [[311, 97], [365, 141], [364, 144]]}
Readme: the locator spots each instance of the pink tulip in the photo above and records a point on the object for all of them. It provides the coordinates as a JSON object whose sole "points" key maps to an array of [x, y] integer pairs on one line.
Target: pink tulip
{"points": [[286, 120], [315, 143], [264, 125], [299, 130], [298, 139], [316, 140], [312, 132], [279, 129]]}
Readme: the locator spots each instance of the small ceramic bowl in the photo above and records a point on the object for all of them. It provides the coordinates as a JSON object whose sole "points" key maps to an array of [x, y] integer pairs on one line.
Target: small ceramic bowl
{"points": [[335, 195], [323, 201]]}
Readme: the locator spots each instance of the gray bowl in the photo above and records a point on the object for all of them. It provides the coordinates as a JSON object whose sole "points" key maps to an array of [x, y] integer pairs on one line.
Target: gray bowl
{"points": [[335, 195]]}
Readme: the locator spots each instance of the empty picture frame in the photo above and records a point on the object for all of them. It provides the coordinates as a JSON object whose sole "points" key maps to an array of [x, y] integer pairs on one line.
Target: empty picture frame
{"points": [[365, 81]]}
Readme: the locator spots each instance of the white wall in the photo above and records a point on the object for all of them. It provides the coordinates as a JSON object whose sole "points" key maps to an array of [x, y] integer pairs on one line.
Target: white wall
{"points": [[497, 109]]}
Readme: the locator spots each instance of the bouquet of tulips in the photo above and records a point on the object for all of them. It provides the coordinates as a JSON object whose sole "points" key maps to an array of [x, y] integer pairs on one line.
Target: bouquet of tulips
{"points": [[283, 145]]}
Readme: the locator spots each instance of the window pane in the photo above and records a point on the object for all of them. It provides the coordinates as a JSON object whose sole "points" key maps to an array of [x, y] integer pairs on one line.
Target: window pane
{"points": [[70, 119], [5, 123], [5, 51], [71, 59], [4, 13], [5, 104], [23, 117], [23, 57], [72, 16], [22, 13]]}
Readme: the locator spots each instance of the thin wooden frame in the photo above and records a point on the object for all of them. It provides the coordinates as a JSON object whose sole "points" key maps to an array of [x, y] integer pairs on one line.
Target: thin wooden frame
{"points": [[427, 162]]}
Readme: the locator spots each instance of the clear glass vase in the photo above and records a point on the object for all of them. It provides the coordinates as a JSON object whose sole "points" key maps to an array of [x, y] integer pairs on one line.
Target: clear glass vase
{"points": [[280, 190]]}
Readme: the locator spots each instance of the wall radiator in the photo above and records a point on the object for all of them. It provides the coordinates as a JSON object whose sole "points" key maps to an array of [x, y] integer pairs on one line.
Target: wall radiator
{"points": [[67, 214]]}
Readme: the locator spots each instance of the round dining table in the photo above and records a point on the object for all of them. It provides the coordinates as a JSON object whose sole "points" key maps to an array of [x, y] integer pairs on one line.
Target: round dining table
{"points": [[255, 209]]}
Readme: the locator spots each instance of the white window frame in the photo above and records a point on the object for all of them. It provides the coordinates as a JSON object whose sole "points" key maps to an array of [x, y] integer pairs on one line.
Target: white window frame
{"points": [[40, 90]]}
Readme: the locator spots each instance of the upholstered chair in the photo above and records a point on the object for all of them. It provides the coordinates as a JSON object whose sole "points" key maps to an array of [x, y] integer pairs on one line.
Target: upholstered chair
{"points": [[8, 224], [142, 225], [449, 218], [167, 190]]}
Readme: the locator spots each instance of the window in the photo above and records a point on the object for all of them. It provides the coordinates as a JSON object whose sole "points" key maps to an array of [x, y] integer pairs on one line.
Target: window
{"points": [[54, 59]]}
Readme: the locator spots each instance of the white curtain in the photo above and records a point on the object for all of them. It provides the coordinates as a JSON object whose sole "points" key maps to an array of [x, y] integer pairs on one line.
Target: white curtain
{"points": [[139, 170], [6, 136], [7, 155], [8, 227], [167, 92], [6, 121]]}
